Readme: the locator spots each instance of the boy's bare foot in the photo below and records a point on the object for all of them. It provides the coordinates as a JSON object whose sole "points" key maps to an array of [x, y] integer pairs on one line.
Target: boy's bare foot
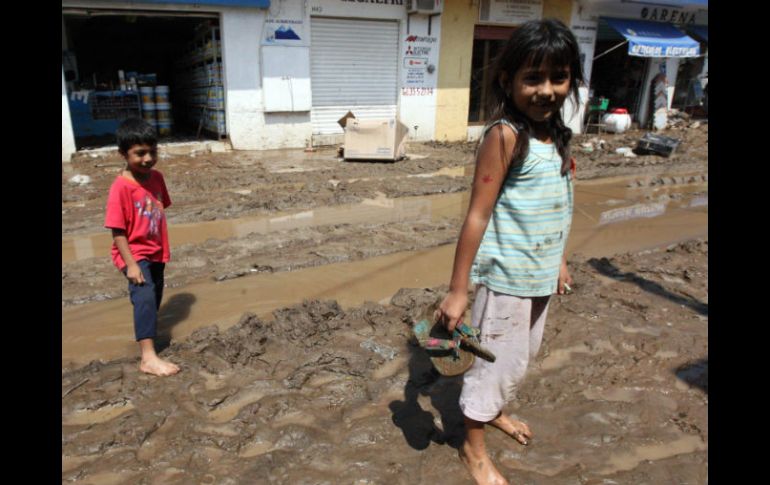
{"points": [[158, 367], [480, 466], [513, 428]]}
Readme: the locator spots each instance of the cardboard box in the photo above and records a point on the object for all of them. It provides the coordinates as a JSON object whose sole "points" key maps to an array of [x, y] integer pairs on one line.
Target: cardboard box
{"points": [[374, 139]]}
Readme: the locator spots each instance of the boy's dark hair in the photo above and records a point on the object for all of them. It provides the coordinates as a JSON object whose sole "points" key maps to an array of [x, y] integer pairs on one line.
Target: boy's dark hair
{"points": [[135, 131], [533, 43]]}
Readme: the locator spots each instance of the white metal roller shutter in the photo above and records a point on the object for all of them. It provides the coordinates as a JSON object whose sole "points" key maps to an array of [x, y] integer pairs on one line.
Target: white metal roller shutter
{"points": [[354, 66]]}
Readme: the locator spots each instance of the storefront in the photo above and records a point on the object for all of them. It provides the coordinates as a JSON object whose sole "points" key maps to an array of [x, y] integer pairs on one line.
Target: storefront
{"points": [[640, 52], [261, 74], [473, 34], [164, 67]]}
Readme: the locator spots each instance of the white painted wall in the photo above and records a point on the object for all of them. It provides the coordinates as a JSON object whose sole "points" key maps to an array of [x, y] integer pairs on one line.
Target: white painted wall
{"points": [[67, 135], [418, 112], [413, 110], [672, 70], [249, 127]]}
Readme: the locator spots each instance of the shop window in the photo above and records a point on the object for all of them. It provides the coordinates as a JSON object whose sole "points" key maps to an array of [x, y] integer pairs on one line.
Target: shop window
{"points": [[618, 76], [690, 81]]}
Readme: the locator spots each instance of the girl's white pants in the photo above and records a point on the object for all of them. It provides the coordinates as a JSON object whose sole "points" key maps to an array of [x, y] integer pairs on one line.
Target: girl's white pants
{"points": [[512, 329]]}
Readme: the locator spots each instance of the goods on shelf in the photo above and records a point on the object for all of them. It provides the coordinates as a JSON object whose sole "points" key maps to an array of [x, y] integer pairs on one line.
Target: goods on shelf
{"points": [[199, 81]]}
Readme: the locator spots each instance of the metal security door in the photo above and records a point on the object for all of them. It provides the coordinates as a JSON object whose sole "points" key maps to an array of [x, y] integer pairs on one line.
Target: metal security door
{"points": [[353, 66]]}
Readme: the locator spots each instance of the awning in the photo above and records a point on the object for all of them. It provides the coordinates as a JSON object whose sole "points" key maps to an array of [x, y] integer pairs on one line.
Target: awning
{"points": [[701, 31], [654, 39]]}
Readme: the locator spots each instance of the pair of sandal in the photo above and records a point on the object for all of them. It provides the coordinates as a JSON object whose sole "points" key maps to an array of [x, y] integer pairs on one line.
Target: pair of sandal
{"points": [[453, 354]]}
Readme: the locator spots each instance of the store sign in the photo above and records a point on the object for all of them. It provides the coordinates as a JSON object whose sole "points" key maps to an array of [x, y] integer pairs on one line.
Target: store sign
{"points": [[384, 9], [670, 15], [418, 74], [650, 12], [217, 3], [285, 24], [510, 11]]}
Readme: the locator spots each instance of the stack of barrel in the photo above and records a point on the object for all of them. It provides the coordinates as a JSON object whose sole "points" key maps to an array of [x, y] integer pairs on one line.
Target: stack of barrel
{"points": [[156, 108]]}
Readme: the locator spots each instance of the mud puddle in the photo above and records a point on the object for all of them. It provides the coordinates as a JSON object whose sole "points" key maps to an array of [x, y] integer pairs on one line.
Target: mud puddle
{"points": [[381, 210], [376, 278], [326, 393]]}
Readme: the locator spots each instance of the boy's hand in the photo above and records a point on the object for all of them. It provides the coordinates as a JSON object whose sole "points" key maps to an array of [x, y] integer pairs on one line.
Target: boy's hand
{"points": [[564, 286], [134, 274], [452, 309]]}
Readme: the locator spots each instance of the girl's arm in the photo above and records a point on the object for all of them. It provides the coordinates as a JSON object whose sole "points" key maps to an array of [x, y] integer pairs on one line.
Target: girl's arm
{"points": [[492, 163]]}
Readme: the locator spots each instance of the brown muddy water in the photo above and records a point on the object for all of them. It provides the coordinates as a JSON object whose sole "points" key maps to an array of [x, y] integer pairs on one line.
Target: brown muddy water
{"points": [[610, 217]]}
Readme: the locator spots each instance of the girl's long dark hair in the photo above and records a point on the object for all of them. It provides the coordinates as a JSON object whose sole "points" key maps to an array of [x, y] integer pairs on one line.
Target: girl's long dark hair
{"points": [[530, 45]]}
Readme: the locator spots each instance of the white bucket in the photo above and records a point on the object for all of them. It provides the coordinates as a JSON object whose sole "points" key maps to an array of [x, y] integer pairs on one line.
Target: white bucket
{"points": [[617, 122], [161, 94], [148, 94]]}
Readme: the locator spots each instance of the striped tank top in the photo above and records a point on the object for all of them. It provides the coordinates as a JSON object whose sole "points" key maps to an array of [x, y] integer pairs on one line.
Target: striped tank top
{"points": [[521, 251]]}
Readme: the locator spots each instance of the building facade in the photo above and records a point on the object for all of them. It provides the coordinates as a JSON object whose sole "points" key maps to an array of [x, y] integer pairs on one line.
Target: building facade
{"points": [[267, 74]]}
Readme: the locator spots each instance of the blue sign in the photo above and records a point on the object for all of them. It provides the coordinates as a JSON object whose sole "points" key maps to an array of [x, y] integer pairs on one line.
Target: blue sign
{"points": [[217, 3], [654, 39]]}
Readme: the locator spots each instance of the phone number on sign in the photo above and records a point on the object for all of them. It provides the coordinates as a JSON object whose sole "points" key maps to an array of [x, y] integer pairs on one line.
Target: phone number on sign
{"points": [[416, 91]]}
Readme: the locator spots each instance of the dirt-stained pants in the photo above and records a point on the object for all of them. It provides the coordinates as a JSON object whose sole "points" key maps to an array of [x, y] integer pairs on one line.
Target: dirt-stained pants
{"points": [[512, 328]]}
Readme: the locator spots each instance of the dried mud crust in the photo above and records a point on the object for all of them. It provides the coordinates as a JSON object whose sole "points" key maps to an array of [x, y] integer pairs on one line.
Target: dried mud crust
{"points": [[96, 279], [618, 392], [210, 186]]}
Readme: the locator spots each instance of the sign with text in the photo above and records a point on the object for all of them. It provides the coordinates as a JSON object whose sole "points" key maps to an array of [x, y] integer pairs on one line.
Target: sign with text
{"points": [[418, 74], [384, 9], [510, 11], [285, 25]]}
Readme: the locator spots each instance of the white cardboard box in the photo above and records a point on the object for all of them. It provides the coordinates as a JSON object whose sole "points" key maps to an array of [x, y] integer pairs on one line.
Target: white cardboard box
{"points": [[375, 139]]}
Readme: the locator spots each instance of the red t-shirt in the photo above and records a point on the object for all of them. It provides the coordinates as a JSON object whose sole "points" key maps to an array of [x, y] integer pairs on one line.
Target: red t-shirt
{"points": [[138, 209]]}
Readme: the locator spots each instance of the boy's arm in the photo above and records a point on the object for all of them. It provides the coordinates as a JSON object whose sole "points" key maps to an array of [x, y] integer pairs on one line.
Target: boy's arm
{"points": [[133, 272]]}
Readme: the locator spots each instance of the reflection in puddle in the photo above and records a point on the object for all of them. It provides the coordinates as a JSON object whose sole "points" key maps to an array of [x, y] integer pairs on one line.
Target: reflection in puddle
{"points": [[632, 212]]}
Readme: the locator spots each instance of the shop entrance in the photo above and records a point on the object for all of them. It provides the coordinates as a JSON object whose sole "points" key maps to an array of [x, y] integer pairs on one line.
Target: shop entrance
{"points": [[616, 75], [165, 68]]}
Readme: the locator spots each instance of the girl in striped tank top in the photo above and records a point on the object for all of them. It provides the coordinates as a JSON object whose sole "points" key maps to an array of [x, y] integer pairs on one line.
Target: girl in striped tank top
{"points": [[512, 242]]}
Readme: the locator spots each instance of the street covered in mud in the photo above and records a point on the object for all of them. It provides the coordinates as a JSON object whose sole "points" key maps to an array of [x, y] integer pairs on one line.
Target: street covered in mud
{"points": [[294, 280]]}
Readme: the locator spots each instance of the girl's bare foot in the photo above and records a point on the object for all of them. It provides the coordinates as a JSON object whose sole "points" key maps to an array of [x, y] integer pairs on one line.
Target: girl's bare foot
{"points": [[513, 428], [158, 367], [480, 466]]}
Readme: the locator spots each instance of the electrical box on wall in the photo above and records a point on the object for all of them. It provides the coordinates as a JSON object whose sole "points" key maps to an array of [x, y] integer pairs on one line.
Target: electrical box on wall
{"points": [[429, 7], [286, 78]]}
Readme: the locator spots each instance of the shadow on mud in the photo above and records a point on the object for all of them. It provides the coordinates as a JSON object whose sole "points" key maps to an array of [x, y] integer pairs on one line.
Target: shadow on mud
{"points": [[695, 374], [171, 313], [605, 267], [419, 425]]}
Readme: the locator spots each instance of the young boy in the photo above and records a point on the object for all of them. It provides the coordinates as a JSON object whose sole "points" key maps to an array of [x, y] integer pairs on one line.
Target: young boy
{"points": [[140, 249]]}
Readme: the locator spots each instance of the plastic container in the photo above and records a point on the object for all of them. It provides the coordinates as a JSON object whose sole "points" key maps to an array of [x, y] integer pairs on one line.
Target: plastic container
{"points": [[617, 120], [161, 94], [148, 113], [148, 94], [164, 128], [163, 111]]}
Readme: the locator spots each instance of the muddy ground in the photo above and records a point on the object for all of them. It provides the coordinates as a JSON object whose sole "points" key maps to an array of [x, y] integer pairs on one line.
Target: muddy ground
{"points": [[216, 186], [618, 394]]}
